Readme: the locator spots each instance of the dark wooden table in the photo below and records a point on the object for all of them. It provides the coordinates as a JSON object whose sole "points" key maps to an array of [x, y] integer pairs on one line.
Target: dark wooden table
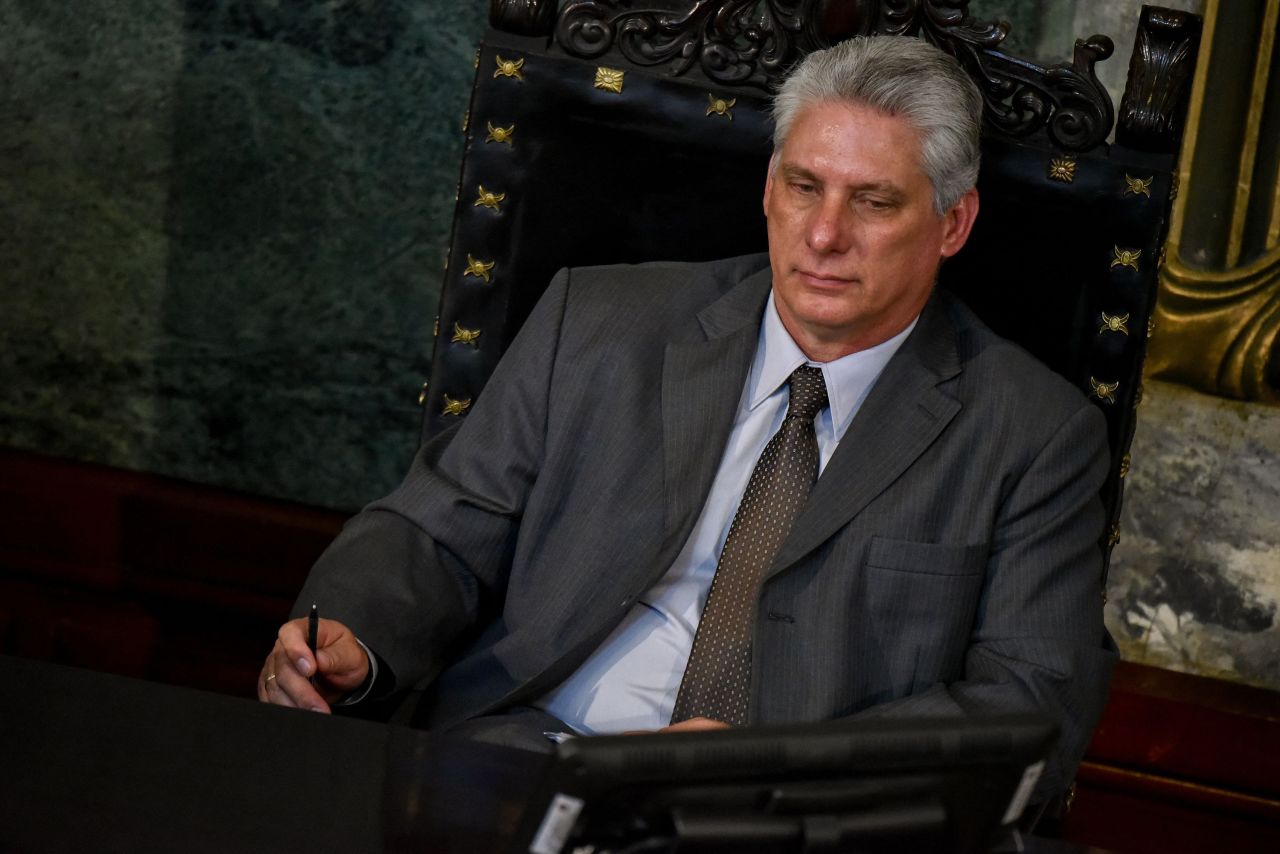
{"points": [[91, 762]]}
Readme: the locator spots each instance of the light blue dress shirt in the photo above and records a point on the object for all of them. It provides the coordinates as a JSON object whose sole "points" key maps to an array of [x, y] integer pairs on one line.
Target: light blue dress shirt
{"points": [[631, 681]]}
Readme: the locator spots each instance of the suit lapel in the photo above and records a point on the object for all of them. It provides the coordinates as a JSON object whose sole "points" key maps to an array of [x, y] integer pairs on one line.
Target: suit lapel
{"points": [[702, 383], [904, 413]]}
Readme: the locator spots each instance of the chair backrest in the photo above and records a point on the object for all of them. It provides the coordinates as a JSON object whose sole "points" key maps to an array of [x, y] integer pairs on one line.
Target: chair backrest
{"points": [[602, 133]]}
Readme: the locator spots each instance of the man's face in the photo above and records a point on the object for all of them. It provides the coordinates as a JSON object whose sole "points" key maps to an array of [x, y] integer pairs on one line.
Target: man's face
{"points": [[854, 241]]}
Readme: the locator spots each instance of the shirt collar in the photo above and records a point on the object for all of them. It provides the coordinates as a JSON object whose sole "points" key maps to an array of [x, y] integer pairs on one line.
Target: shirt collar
{"points": [[849, 378]]}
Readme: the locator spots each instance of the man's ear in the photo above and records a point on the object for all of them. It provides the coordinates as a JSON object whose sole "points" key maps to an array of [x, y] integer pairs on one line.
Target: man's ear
{"points": [[958, 222], [768, 182]]}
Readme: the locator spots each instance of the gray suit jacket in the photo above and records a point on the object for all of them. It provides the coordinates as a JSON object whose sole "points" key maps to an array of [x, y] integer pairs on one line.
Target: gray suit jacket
{"points": [[946, 561]]}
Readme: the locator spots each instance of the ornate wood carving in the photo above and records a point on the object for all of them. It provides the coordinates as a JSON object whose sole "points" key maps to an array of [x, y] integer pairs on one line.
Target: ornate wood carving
{"points": [[732, 43], [753, 42], [1159, 80], [525, 17]]}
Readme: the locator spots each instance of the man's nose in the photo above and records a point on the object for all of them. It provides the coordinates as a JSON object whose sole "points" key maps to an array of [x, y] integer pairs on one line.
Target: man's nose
{"points": [[830, 228]]}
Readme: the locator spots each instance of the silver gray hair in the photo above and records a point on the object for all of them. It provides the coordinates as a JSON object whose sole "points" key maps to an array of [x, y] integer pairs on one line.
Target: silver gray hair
{"points": [[905, 77]]}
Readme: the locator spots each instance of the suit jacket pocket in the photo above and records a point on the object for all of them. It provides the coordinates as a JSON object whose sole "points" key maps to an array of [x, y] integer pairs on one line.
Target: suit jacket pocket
{"points": [[927, 558]]}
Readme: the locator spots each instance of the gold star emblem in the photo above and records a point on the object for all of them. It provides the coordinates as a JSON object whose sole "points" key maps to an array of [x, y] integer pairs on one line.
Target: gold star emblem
{"points": [[455, 407], [1062, 169], [500, 134], [1126, 258], [609, 79], [1137, 186], [487, 199], [1104, 391], [1114, 324], [462, 335], [720, 107], [479, 269], [509, 67]]}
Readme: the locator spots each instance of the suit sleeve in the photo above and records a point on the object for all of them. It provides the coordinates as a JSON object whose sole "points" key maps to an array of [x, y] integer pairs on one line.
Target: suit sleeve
{"points": [[412, 572], [1038, 643]]}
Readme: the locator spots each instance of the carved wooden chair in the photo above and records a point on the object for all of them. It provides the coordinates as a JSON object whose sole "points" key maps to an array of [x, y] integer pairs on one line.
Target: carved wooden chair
{"points": [[606, 132]]}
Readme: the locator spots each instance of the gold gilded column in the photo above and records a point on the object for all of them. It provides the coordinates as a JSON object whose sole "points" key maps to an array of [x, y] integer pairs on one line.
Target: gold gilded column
{"points": [[1217, 325]]}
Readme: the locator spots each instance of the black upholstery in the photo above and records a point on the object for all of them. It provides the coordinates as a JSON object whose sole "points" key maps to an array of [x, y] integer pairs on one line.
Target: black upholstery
{"points": [[672, 167]]}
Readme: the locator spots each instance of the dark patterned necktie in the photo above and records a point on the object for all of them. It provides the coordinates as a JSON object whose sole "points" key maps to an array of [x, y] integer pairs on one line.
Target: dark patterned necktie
{"points": [[717, 679]]}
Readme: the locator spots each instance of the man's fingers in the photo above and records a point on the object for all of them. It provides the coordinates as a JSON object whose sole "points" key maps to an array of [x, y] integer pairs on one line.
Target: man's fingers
{"points": [[282, 683], [292, 639], [277, 696], [292, 688]]}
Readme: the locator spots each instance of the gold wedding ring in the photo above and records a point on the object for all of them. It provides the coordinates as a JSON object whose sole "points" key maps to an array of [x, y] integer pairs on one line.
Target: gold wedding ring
{"points": [[269, 678]]}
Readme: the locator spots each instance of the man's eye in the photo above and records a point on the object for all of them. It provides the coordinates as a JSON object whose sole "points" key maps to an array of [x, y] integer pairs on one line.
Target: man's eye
{"points": [[802, 188], [877, 204]]}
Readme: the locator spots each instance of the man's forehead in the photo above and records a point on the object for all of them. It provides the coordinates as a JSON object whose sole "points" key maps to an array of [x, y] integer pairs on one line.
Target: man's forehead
{"points": [[851, 142]]}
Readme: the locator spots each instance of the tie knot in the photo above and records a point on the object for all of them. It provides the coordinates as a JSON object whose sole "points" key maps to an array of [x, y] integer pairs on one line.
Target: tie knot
{"points": [[808, 393]]}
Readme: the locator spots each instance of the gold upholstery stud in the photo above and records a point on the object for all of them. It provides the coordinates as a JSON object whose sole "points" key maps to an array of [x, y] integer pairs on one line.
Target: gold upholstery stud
{"points": [[1062, 169], [1126, 258], [1137, 186], [1106, 392], [462, 335], [455, 407], [499, 134], [720, 106], [609, 79], [509, 67], [479, 269], [1114, 324], [484, 198]]}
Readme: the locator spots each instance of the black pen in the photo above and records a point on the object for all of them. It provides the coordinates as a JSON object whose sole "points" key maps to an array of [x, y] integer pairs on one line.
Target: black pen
{"points": [[313, 629]]}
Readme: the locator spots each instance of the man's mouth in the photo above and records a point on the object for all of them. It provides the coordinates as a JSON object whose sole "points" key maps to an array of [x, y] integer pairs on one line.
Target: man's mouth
{"points": [[823, 279]]}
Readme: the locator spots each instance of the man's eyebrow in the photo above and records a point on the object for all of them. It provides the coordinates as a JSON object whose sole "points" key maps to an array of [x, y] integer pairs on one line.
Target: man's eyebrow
{"points": [[794, 172], [883, 187]]}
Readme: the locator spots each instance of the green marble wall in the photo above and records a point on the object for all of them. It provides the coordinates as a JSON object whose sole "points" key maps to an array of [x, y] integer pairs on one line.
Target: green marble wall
{"points": [[222, 225]]}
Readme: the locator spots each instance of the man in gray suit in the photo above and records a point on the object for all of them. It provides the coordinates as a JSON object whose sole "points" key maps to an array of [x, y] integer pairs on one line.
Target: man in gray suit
{"points": [[548, 564]]}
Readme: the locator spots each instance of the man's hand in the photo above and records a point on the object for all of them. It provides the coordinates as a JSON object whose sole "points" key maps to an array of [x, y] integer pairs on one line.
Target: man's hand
{"points": [[698, 724], [286, 675]]}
